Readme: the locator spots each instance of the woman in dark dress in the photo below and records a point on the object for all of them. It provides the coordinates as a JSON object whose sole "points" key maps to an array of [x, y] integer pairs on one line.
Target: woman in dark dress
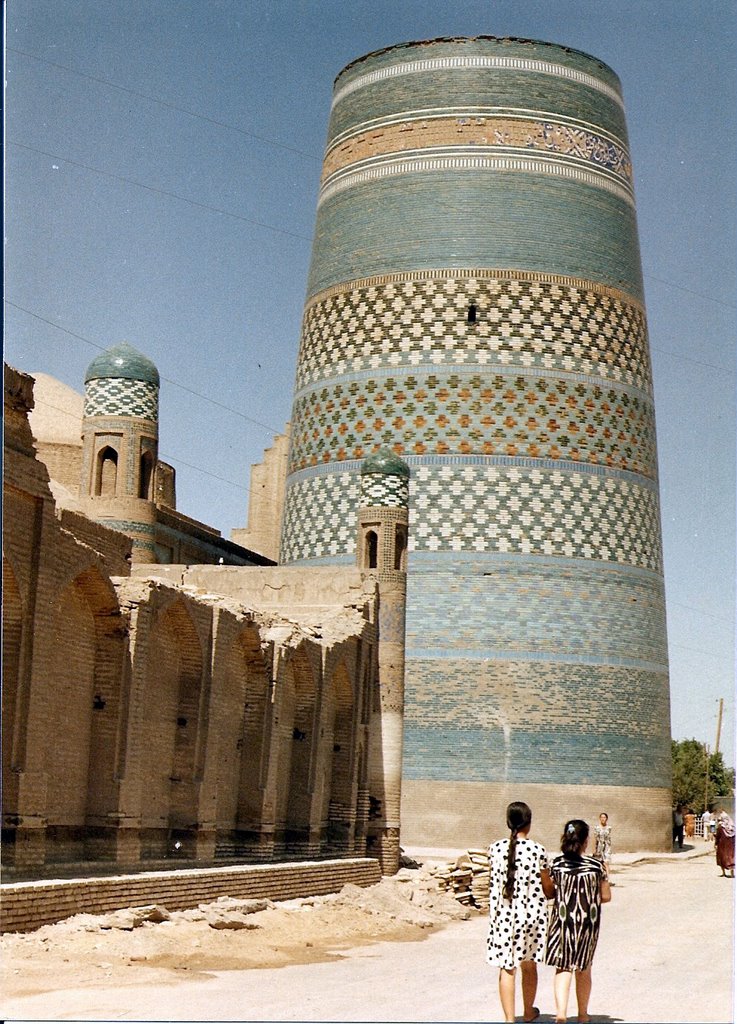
{"points": [[724, 844], [581, 886]]}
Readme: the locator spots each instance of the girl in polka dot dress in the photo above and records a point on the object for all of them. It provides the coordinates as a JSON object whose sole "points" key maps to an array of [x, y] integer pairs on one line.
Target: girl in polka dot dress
{"points": [[520, 884]]}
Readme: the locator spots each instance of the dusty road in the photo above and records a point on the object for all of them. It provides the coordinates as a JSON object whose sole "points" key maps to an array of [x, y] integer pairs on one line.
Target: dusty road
{"points": [[665, 955]]}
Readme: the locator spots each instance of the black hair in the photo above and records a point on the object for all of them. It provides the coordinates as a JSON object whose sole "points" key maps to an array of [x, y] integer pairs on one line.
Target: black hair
{"points": [[519, 817], [573, 840]]}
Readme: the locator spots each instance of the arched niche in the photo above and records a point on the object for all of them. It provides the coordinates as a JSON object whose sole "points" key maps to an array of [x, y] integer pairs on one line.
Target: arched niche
{"points": [[338, 820], [241, 736], [106, 472], [296, 741], [146, 475], [81, 700], [12, 644], [170, 722]]}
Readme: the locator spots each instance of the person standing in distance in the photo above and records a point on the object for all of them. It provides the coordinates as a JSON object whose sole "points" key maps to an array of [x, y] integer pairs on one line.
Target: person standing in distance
{"points": [[581, 886], [520, 884], [603, 842]]}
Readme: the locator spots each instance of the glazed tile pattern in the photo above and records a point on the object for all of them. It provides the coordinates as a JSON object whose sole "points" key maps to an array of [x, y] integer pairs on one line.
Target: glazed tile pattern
{"points": [[480, 130], [474, 62], [384, 490], [533, 651], [475, 305], [437, 162], [475, 505], [528, 321], [538, 609], [121, 397], [460, 413]]}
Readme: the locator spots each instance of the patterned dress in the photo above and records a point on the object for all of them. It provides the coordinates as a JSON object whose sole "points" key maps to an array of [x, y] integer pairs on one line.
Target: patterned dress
{"points": [[603, 843], [517, 927], [574, 924]]}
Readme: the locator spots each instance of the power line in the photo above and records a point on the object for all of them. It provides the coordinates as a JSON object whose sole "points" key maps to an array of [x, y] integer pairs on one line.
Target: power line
{"points": [[160, 191], [162, 455], [688, 359], [164, 103], [199, 469], [695, 650], [690, 608], [176, 384], [258, 138], [294, 234], [689, 291]]}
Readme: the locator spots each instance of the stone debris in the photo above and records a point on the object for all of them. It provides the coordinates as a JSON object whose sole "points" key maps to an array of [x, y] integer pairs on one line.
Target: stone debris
{"points": [[227, 913], [131, 917], [467, 879], [410, 896], [413, 897]]}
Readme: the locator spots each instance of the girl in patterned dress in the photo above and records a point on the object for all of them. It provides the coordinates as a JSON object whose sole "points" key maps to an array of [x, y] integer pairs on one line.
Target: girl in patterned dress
{"points": [[603, 841], [520, 882], [581, 886]]}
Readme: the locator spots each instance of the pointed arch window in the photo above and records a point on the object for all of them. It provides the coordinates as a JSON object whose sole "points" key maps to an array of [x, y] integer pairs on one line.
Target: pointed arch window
{"points": [[146, 477], [372, 549], [400, 546], [106, 481]]}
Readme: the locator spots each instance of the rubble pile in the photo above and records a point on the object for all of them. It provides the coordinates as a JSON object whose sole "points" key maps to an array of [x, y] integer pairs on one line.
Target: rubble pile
{"points": [[467, 879], [409, 896]]}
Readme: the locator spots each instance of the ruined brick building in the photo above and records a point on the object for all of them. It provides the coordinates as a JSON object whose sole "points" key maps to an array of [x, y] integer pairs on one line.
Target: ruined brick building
{"points": [[198, 711], [474, 382]]}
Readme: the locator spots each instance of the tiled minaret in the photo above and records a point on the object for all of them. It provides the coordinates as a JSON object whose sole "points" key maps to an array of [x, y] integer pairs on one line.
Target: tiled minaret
{"points": [[475, 303], [381, 550], [120, 440]]}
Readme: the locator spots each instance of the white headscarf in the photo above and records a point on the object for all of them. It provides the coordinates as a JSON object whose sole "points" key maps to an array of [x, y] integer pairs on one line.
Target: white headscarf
{"points": [[726, 824]]}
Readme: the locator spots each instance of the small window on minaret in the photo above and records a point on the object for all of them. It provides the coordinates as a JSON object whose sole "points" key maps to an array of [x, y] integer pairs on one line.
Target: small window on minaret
{"points": [[107, 473], [400, 547], [372, 549], [472, 313], [147, 474]]}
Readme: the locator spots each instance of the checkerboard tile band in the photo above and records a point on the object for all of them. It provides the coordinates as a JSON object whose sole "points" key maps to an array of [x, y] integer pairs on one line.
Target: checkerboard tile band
{"points": [[487, 508], [122, 397], [406, 320], [384, 490]]}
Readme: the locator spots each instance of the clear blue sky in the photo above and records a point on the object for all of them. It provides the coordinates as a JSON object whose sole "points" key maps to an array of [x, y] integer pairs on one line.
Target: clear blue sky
{"points": [[162, 163]]}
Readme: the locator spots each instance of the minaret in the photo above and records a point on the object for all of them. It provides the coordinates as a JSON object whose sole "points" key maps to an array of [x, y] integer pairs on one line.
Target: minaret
{"points": [[382, 551], [120, 440], [475, 304]]}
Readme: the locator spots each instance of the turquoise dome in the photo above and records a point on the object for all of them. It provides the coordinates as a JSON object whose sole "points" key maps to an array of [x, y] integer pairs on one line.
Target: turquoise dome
{"points": [[386, 462], [122, 361]]}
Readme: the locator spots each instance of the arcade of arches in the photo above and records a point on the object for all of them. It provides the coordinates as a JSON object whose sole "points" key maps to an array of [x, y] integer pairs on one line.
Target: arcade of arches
{"points": [[152, 714]]}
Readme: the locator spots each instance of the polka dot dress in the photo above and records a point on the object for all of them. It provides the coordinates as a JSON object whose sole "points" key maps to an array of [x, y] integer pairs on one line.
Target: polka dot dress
{"points": [[517, 927]]}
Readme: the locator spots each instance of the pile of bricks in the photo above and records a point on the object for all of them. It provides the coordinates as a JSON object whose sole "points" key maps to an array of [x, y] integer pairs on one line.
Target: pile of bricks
{"points": [[467, 879]]}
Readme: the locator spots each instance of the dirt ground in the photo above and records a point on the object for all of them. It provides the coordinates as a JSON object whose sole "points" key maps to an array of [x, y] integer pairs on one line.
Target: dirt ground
{"points": [[395, 952]]}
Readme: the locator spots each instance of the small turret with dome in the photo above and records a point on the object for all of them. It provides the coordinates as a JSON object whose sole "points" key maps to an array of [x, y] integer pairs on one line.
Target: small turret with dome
{"points": [[384, 480], [122, 381], [122, 361], [383, 529], [120, 441]]}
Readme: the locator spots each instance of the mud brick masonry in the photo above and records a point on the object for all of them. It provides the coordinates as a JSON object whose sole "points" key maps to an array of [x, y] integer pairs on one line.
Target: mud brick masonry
{"points": [[157, 713], [465, 604]]}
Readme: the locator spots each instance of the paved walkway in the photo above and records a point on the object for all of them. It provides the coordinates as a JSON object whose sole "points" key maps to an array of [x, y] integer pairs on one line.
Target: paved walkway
{"points": [[665, 955]]}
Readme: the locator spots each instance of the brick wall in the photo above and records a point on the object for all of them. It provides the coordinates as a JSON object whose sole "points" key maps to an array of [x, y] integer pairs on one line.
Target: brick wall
{"points": [[29, 905]]}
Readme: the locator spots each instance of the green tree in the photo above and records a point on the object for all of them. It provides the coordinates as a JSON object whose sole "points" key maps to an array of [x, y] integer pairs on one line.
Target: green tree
{"points": [[691, 762]]}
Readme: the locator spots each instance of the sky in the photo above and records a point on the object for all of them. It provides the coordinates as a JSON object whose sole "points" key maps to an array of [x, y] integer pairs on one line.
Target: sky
{"points": [[162, 163]]}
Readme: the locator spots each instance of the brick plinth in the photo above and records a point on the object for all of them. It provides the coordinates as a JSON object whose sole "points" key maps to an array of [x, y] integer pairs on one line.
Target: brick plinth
{"points": [[28, 905]]}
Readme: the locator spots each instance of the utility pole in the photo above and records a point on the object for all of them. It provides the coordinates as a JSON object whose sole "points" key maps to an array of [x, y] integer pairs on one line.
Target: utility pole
{"points": [[719, 724], [706, 778]]}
